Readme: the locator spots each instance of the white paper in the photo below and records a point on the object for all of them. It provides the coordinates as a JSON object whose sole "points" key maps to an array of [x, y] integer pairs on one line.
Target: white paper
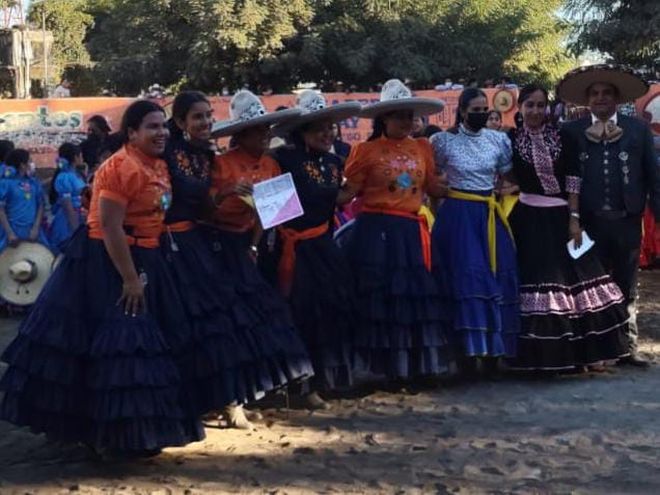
{"points": [[276, 201], [587, 244]]}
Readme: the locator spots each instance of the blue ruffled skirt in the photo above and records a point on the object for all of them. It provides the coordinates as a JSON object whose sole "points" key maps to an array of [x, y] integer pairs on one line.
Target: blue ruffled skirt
{"points": [[241, 345], [80, 370], [60, 230], [483, 306], [401, 331]]}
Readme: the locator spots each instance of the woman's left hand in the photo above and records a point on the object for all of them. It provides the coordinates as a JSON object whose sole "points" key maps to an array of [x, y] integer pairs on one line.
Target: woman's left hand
{"points": [[575, 231]]}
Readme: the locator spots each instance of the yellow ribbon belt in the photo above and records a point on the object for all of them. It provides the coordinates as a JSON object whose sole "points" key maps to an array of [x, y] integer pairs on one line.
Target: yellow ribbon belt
{"points": [[493, 208]]}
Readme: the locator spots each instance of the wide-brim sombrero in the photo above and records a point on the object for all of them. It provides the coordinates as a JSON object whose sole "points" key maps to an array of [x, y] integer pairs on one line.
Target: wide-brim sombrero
{"points": [[230, 127], [24, 292], [334, 113], [420, 106], [574, 86]]}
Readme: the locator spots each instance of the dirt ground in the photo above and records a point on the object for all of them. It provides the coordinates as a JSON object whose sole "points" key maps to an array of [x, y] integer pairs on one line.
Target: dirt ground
{"points": [[574, 434]]}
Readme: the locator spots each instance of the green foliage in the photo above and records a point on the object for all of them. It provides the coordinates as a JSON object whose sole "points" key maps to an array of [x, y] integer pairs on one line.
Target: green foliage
{"points": [[208, 43], [212, 44], [364, 42], [68, 22], [628, 31]]}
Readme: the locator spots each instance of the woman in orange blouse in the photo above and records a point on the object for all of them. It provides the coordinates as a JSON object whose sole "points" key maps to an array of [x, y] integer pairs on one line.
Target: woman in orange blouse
{"points": [[236, 228], [401, 332], [238, 352], [94, 361]]}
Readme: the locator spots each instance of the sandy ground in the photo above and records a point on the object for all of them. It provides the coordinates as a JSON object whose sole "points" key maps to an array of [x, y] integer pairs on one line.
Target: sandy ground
{"points": [[575, 434]]}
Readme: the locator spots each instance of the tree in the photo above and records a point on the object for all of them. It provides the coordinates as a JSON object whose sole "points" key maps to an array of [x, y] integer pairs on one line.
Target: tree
{"points": [[211, 44], [205, 44], [68, 22], [628, 31], [365, 42]]}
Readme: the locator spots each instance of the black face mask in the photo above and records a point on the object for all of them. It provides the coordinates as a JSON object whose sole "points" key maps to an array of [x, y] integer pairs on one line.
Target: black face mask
{"points": [[476, 120]]}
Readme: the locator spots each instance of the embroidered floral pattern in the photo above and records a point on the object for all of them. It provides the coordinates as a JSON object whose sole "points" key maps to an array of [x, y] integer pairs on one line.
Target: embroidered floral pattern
{"points": [[326, 174], [26, 187], [405, 173], [565, 300], [541, 150], [193, 164]]}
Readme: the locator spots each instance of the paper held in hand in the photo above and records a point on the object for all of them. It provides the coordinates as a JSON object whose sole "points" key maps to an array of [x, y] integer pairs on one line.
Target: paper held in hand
{"points": [[277, 201], [587, 244]]}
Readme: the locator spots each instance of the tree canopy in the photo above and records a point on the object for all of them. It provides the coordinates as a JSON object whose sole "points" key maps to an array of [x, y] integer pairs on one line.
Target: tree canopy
{"points": [[212, 44], [628, 31], [69, 22]]}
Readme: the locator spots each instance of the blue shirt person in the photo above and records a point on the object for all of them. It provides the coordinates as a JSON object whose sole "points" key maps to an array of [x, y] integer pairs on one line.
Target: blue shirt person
{"points": [[66, 196], [21, 204]]}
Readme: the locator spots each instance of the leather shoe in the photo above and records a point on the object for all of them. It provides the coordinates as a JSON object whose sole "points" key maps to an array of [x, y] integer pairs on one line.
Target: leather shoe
{"points": [[634, 360]]}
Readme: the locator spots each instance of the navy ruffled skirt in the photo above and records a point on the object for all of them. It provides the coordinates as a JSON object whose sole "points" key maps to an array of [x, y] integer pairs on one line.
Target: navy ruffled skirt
{"points": [[322, 302], [242, 345], [80, 370], [401, 331], [483, 306]]}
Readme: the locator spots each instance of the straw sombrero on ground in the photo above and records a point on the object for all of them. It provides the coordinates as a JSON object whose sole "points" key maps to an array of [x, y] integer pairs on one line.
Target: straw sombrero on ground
{"points": [[397, 96], [574, 85], [23, 272], [246, 110], [313, 107]]}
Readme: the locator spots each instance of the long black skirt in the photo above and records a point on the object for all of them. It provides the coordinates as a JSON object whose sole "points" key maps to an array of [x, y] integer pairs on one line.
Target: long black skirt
{"points": [[81, 370], [239, 350], [323, 306], [572, 312]]}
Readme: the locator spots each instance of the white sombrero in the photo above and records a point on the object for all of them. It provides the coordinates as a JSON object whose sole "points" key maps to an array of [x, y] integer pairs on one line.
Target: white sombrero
{"points": [[574, 85], [23, 272], [397, 96], [246, 110], [314, 107]]}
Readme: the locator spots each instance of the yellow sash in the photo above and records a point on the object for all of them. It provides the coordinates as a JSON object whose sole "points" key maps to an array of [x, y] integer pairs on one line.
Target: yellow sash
{"points": [[493, 208], [508, 202], [426, 212]]}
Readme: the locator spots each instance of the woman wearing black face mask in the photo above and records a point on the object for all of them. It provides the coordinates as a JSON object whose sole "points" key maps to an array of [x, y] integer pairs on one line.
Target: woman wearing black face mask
{"points": [[475, 262]]}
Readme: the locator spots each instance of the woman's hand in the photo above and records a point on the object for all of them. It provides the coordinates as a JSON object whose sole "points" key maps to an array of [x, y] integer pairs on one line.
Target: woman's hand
{"points": [[132, 297], [242, 188], [575, 231], [438, 185], [508, 188], [13, 240]]}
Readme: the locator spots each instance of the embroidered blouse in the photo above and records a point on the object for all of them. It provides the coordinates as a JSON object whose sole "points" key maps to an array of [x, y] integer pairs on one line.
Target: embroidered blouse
{"points": [[139, 182], [69, 185], [234, 213], [391, 174], [472, 160], [539, 164], [317, 178], [189, 167], [21, 197]]}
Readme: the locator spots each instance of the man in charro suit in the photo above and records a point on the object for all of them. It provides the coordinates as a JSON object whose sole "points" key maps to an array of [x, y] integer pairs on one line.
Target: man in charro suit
{"points": [[620, 173]]}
